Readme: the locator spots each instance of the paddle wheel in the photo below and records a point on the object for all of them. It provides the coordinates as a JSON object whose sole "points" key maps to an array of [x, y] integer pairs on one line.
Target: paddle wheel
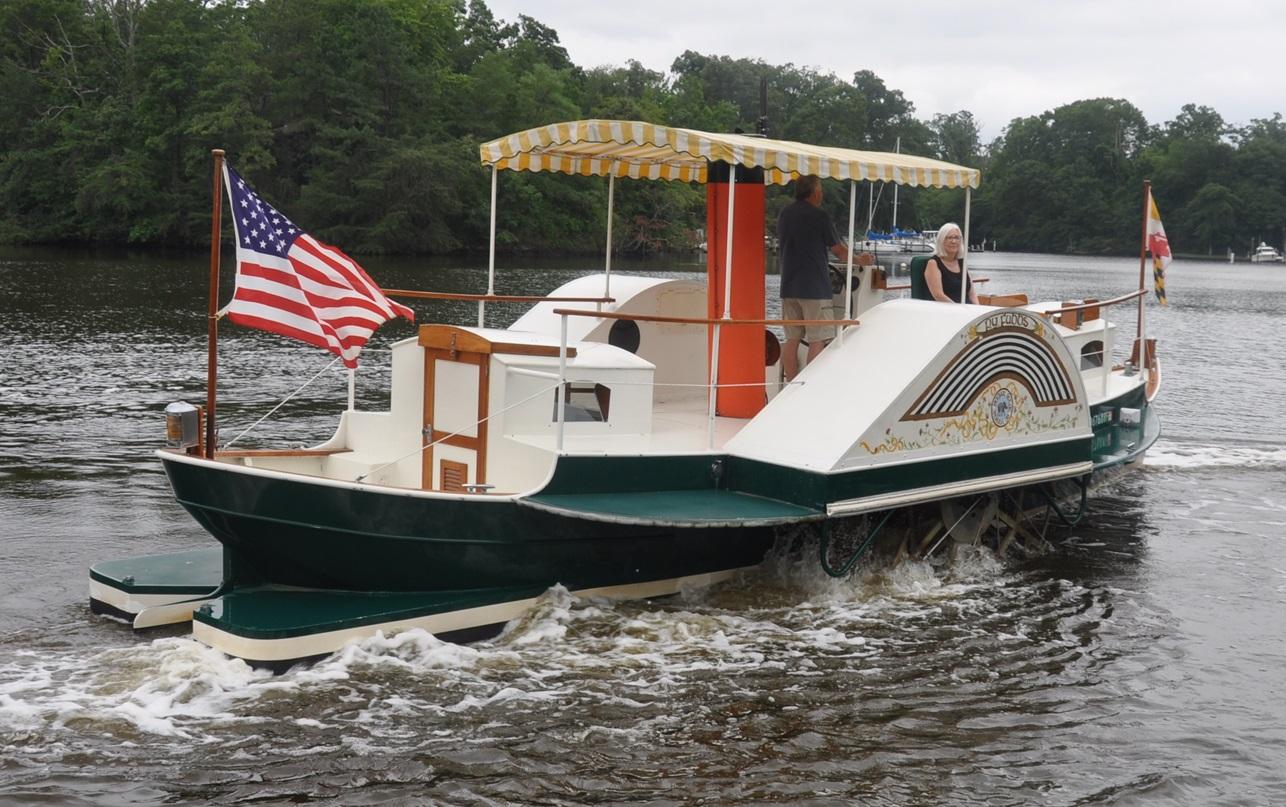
{"points": [[1010, 523]]}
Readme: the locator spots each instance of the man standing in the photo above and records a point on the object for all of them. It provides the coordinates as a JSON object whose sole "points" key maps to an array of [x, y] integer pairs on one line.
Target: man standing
{"points": [[806, 239]]}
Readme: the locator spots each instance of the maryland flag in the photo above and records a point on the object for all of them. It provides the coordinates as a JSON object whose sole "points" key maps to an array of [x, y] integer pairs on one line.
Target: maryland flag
{"points": [[1158, 246]]}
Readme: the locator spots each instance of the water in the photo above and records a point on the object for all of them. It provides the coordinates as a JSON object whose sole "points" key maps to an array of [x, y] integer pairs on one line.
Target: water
{"points": [[1141, 663]]}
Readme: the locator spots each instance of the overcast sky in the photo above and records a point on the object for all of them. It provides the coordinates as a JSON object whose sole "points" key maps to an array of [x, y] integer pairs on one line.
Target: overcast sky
{"points": [[999, 59]]}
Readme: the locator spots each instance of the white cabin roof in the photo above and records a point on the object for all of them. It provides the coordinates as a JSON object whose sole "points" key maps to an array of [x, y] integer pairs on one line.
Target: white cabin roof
{"points": [[633, 295]]}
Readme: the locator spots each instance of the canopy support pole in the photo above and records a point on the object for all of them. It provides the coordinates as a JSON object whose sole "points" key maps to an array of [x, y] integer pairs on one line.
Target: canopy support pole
{"points": [[964, 250], [848, 283], [212, 320], [491, 256], [897, 149], [870, 205], [607, 261], [352, 389], [727, 302]]}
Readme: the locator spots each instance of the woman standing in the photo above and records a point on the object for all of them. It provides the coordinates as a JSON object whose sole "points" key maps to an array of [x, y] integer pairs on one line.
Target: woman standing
{"points": [[945, 268]]}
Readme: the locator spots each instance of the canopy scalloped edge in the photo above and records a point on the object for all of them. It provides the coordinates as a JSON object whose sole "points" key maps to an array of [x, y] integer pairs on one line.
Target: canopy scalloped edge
{"points": [[647, 151]]}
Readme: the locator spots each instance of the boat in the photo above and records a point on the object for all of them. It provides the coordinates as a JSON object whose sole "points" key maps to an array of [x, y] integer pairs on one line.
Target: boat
{"points": [[897, 242], [1265, 254], [633, 437]]}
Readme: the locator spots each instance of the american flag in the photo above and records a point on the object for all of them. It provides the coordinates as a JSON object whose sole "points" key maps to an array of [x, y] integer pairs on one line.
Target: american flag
{"points": [[291, 284]]}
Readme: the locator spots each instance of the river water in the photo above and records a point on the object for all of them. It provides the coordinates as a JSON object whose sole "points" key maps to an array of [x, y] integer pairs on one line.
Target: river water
{"points": [[1142, 662]]}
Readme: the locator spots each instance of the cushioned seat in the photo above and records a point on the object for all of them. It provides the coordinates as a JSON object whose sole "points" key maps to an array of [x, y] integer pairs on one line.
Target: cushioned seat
{"points": [[919, 288]]}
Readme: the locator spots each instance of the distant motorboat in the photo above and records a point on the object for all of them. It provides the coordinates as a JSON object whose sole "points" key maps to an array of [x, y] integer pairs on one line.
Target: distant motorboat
{"points": [[1265, 254]]}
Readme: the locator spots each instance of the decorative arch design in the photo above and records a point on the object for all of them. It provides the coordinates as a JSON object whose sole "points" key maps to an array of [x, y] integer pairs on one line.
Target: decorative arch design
{"points": [[1012, 353]]}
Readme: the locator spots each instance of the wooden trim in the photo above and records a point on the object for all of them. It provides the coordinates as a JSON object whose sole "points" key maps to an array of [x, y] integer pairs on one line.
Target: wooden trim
{"points": [[1069, 317], [453, 339], [477, 443], [1095, 303], [491, 298], [450, 439], [1003, 300], [1151, 352], [573, 312], [280, 452]]}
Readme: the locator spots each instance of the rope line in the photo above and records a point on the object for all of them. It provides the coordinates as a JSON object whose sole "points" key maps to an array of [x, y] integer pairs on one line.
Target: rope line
{"points": [[283, 403]]}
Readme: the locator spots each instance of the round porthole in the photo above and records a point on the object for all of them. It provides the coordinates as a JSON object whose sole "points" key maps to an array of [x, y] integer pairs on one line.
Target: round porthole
{"points": [[625, 335]]}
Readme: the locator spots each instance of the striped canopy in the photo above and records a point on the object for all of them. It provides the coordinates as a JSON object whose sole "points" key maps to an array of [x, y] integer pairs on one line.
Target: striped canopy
{"points": [[647, 151]]}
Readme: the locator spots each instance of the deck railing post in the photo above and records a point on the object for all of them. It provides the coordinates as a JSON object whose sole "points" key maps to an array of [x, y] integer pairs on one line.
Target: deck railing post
{"points": [[562, 380], [1107, 359], [848, 283], [607, 261], [714, 387]]}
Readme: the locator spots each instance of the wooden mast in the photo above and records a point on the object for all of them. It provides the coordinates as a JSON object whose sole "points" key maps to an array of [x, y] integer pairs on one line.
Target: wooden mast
{"points": [[212, 325]]}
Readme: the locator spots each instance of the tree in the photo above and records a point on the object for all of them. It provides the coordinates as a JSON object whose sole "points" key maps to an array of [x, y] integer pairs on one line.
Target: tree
{"points": [[1210, 219], [955, 138]]}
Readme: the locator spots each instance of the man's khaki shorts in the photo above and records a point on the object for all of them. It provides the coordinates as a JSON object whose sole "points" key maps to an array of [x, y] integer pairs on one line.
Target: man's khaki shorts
{"points": [[795, 308]]}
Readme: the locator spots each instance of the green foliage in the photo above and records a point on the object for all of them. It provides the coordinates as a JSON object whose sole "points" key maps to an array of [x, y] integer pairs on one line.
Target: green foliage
{"points": [[362, 118]]}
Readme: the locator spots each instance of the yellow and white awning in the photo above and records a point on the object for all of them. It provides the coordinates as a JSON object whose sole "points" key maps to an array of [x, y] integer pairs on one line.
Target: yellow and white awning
{"points": [[647, 151]]}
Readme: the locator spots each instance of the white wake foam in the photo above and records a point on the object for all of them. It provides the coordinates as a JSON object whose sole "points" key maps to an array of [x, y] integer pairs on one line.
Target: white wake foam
{"points": [[1188, 456]]}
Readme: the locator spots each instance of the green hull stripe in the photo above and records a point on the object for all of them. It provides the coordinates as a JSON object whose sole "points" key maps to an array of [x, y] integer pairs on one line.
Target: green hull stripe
{"points": [[782, 486]]}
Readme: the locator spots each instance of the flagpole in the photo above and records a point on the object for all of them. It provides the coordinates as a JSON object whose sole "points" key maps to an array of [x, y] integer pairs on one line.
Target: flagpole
{"points": [[491, 255], [1143, 250], [212, 324]]}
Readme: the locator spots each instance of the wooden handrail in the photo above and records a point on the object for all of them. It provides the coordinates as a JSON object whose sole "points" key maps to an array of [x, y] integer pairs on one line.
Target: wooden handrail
{"points": [[575, 312], [1101, 303], [493, 298]]}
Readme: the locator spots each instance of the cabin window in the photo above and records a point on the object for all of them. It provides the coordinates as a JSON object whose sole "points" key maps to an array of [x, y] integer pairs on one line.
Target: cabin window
{"points": [[1092, 355], [584, 403]]}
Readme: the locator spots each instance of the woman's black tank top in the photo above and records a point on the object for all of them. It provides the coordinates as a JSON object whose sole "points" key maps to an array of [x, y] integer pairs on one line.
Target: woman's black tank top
{"points": [[951, 280]]}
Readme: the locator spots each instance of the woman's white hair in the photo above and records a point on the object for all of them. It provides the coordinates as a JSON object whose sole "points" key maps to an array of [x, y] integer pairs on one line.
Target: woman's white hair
{"points": [[941, 240]]}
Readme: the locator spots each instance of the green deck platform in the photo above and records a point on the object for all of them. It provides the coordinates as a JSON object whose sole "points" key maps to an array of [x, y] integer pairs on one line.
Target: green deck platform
{"points": [[278, 613], [276, 627], [182, 574], [144, 590]]}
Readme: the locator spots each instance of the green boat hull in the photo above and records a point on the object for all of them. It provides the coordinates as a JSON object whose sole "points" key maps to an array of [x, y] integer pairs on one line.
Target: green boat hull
{"points": [[283, 531]]}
